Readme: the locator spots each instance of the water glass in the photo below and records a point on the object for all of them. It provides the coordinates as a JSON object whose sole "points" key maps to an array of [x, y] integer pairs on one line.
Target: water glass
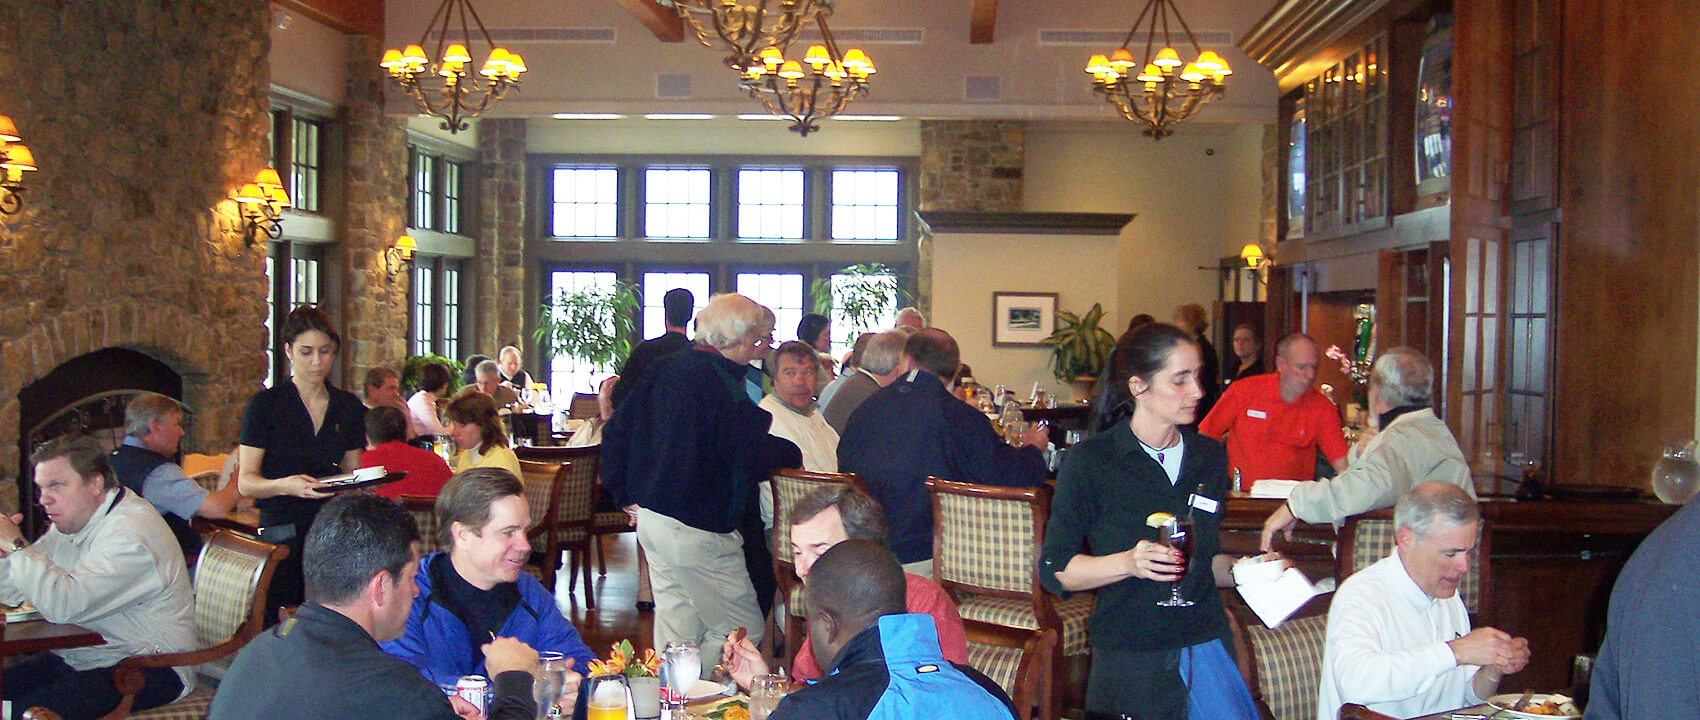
{"points": [[684, 667], [1581, 674], [765, 693], [551, 684]]}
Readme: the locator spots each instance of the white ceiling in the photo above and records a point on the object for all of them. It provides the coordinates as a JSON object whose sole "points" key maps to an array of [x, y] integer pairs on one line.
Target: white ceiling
{"points": [[919, 80]]}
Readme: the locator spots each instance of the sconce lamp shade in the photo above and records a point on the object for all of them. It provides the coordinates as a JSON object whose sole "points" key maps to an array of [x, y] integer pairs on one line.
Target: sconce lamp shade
{"points": [[18, 157], [268, 178], [8, 131], [1252, 254], [252, 194], [405, 245], [278, 197]]}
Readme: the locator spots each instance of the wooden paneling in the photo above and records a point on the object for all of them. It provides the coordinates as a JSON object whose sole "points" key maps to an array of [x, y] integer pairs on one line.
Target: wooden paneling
{"points": [[982, 22], [1626, 270], [661, 22]]}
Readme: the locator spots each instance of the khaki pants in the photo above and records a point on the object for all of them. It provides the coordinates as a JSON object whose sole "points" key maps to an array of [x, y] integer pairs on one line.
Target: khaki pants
{"points": [[702, 589]]}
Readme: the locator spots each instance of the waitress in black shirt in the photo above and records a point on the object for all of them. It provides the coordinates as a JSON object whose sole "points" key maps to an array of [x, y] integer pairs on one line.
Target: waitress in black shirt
{"points": [[292, 434], [1148, 660]]}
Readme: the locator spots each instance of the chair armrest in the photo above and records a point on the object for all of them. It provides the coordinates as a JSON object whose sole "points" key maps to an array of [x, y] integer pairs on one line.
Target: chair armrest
{"points": [[127, 675]]}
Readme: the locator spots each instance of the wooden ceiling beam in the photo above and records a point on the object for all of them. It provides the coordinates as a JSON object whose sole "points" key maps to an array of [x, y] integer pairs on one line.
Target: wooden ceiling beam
{"points": [[362, 17], [983, 22], [666, 26]]}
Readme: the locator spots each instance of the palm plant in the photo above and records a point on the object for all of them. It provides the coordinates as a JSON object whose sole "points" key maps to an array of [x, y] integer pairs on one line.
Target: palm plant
{"points": [[1079, 347], [868, 291], [593, 325]]}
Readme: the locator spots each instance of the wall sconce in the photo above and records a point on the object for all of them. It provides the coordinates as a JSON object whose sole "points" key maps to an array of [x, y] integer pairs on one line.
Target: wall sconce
{"points": [[262, 203], [400, 256], [15, 161], [1256, 261]]}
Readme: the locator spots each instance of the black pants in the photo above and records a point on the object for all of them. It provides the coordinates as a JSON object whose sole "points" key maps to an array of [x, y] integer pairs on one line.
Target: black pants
{"points": [[44, 680]]}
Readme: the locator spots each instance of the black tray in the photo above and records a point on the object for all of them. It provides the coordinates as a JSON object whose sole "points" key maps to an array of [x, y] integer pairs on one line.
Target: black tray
{"points": [[1595, 493], [375, 482]]}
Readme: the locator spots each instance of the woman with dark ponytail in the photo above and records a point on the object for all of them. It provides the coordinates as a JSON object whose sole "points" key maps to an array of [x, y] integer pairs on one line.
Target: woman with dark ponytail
{"points": [[1151, 657]]}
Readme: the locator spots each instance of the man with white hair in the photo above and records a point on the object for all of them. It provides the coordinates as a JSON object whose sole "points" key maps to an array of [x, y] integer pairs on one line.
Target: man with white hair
{"points": [[881, 365], [507, 362], [911, 318], [1412, 448], [1399, 640], [153, 432]]}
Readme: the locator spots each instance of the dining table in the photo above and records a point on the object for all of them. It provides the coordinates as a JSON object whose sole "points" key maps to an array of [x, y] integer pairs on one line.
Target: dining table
{"points": [[32, 636]]}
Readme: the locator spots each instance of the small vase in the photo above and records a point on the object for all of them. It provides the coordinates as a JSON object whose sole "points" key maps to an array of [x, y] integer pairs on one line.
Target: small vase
{"points": [[1676, 476], [646, 697]]}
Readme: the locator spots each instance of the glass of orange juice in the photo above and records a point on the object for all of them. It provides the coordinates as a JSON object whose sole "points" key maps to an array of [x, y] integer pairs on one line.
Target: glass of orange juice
{"points": [[608, 698]]}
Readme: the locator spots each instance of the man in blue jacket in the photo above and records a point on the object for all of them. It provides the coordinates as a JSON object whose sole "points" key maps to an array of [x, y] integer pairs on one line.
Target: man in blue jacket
{"points": [[477, 591], [882, 662]]}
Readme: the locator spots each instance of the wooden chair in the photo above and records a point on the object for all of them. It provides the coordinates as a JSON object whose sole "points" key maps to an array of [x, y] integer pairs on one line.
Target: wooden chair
{"points": [[575, 509], [1353, 711], [787, 486], [542, 485], [231, 579], [1282, 665], [424, 511], [584, 406], [1369, 537], [559, 496], [1015, 660], [986, 543]]}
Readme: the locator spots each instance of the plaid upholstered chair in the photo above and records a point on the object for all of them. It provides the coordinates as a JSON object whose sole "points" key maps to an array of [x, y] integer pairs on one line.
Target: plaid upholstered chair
{"points": [[1015, 660], [583, 406], [544, 485], [787, 486], [1282, 665], [986, 544], [575, 506], [231, 579], [424, 512], [1368, 537]]}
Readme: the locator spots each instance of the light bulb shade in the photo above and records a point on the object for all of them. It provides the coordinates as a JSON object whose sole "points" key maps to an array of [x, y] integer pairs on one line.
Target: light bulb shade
{"points": [[1121, 60], [1152, 74], [516, 65], [1252, 254], [278, 196], [771, 57], [1098, 65], [392, 59], [816, 57], [1224, 70], [1192, 74], [8, 131], [1209, 61], [414, 55], [251, 194], [791, 70], [18, 157], [268, 178], [456, 54], [856, 59], [1167, 57], [406, 245]]}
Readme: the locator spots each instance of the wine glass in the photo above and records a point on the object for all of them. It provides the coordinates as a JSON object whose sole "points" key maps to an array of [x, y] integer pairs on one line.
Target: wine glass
{"points": [[551, 685], [684, 667], [607, 698], [1177, 534]]}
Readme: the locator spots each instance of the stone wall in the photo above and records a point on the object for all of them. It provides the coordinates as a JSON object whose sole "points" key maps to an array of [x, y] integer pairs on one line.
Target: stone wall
{"points": [[143, 117], [375, 316], [498, 265], [972, 165]]}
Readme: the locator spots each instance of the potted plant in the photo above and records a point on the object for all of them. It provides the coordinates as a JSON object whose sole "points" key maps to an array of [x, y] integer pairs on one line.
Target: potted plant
{"points": [[868, 292], [594, 325], [1079, 347]]}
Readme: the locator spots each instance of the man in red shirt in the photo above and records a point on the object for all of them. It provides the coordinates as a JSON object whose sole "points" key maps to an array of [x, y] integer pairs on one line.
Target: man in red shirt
{"points": [[386, 433], [1274, 424], [822, 519]]}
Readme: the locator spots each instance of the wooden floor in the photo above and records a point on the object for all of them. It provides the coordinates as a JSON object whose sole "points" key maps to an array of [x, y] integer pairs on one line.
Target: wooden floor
{"points": [[616, 616]]}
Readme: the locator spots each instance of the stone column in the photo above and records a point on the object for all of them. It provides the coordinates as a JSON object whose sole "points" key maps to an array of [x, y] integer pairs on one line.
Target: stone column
{"points": [[499, 263], [375, 312], [969, 166]]}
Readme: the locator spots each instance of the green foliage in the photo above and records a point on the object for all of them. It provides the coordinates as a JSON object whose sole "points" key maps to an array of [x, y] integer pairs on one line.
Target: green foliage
{"points": [[1079, 348], [595, 326], [869, 292], [411, 367]]}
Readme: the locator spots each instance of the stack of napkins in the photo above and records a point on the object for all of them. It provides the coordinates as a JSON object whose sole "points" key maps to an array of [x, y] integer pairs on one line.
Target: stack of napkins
{"points": [[1271, 591], [1278, 489]]}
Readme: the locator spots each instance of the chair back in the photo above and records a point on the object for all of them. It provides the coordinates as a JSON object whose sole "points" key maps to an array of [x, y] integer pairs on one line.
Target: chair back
{"points": [[1369, 537], [575, 499], [788, 486], [986, 539], [583, 406], [231, 579], [1282, 665], [207, 479], [424, 512], [1018, 660], [542, 486]]}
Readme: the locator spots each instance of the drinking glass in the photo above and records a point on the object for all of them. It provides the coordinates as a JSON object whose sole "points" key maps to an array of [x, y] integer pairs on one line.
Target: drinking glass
{"points": [[684, 667], [445, 446], [551, 684], [1012, 431], [999, 395], [1581, 674], [765, 693], [1676, 476], [1177, 534], [607, 699]]}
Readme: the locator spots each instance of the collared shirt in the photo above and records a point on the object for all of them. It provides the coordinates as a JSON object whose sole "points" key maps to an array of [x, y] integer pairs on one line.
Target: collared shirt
{"points": [[1269, 438], [817, 440], [1415, 448], [122, 576], [168, 489], [1386, 647], [276, 421]]}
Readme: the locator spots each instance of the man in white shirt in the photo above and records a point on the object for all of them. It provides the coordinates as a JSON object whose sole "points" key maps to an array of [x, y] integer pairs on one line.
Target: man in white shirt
{"points": [[795, 415], [1399, 640]]}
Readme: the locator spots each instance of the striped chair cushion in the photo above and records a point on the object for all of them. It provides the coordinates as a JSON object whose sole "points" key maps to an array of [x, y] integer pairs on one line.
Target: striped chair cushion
{"points": [[1374, 541], [224, 592], [1012, 612], [610, 521], [998, 663], [987, 543], [1289, 665], [193, 707], [578, 498]]}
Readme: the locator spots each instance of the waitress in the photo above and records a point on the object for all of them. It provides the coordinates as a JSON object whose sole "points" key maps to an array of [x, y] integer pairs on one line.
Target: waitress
{"points": [[1148, 660], [292, 434]]}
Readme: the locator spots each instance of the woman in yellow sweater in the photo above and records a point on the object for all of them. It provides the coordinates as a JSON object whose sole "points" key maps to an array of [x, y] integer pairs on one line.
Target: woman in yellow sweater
{"points": [[479, 434]]}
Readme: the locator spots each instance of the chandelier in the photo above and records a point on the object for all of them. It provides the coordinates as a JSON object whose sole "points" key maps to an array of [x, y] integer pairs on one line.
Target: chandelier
{"points": [[458, 94], [817, 88], [1161, 90], [747, 26]]}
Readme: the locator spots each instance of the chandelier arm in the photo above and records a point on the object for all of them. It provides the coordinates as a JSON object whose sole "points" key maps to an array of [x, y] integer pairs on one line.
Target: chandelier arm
{"points": [[1135, 29], [1196, 50], [479, 21]]}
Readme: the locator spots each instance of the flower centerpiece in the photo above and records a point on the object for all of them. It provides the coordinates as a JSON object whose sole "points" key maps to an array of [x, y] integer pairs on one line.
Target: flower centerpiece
{"points": [[622, 660]]}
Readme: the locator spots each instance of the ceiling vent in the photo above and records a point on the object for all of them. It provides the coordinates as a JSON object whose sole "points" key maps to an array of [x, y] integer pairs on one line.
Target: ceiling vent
{"points": [[982, 88], [1113, 38], [673, 86]]}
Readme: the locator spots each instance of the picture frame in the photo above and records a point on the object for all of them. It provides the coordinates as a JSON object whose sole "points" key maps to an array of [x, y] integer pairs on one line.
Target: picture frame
{"points": [[1023, 319]]}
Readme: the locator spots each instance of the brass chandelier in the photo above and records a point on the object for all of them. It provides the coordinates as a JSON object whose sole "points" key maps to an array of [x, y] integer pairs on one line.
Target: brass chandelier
{"points": [[817, 88], [1161, 90], [459, 94], [746, 27]]}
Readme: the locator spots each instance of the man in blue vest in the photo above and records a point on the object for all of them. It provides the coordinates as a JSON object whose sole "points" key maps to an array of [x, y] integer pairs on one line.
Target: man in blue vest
{"points": [[881, 661], [153, 429]]}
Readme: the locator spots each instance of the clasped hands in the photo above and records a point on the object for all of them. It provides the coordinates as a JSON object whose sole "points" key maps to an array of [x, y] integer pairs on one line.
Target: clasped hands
{"points": [[1491, 647]]}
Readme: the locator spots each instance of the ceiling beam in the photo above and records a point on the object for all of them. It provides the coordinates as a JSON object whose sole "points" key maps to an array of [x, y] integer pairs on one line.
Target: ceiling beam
{"points": [[983, 22], [362, 17], [661, 21]]}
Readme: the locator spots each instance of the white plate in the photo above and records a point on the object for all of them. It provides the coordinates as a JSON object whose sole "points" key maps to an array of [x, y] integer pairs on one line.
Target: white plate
{"points": [[14, 616], [705, 689], [1504, 702]]}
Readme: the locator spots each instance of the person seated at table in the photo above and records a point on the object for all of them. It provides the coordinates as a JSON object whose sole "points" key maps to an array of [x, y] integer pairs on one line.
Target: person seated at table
{"points": [[386, 431], [383, 387], [846, 370], [512, 376], [911, 318], [108, 564], [488, 381], [422, 407], [469, 369], [153, 430], [591, 432], [324, 662], [476, 589], [1274, 424], [914, 428], [479, 435], [796, 417], [820, 521], [1399, 640], [880, 659], [1413, 447], [878, 365]]}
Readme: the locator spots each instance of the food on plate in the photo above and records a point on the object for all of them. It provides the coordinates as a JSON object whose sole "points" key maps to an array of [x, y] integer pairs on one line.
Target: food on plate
{"points": [[1159, 519], [1549, 706]]}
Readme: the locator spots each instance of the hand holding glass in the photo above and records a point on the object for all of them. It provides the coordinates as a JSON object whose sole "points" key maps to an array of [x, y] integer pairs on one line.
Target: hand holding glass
{"points": [[1177, 534]]}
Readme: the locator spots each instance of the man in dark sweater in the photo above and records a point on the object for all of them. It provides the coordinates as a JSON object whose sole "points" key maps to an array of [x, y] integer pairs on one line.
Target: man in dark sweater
{"points": [[1647, 666], [914, 428], [325, 662], [676, 307]]}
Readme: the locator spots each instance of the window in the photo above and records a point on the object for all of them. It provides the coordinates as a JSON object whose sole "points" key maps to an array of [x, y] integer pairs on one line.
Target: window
{"points": [[780, 292], [676, 203], [271, 318], [293, 271], [864, 204], [1296, 172], [586, 202], [434, 320], [655, 286], [451, 308], [770, 204], [424, 297], [843, 331], [453, 174], [424, 190], [569, 375], [306, 163]]}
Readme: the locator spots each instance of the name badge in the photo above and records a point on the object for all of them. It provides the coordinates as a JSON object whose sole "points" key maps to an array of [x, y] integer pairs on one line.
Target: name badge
{"points": [[1203, 503], [1259, 414]]}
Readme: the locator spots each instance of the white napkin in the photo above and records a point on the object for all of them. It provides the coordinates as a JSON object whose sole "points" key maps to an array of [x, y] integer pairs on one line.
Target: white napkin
{"points": [[1274, 600], [1278, 489]]}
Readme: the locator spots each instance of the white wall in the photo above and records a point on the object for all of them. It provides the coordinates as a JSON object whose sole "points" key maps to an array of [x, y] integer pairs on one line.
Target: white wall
{"points": [[308, 57]]}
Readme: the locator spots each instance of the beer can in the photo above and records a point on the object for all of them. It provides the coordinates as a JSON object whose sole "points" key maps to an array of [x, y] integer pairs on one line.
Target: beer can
{"points": [[474, 689]]}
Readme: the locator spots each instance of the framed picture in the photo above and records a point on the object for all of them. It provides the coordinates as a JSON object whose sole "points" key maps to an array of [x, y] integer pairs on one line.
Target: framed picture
{"points": [[1023, 319]]}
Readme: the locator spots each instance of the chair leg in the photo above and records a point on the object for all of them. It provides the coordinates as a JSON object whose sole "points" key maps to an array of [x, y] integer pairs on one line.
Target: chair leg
{"points": [[601, 555], [583, 557]]}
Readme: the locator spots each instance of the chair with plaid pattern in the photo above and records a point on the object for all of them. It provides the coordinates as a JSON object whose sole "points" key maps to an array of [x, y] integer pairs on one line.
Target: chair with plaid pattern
{"points": [[424, 512], [1368, 537], [542, 481], [986, 542], [1282, 665], [1015, 660], [787, 486], [231, 579], [578, 482]]}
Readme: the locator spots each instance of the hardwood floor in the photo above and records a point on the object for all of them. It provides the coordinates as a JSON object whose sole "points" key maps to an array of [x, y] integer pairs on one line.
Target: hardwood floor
{"points": [[616, 616]]}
